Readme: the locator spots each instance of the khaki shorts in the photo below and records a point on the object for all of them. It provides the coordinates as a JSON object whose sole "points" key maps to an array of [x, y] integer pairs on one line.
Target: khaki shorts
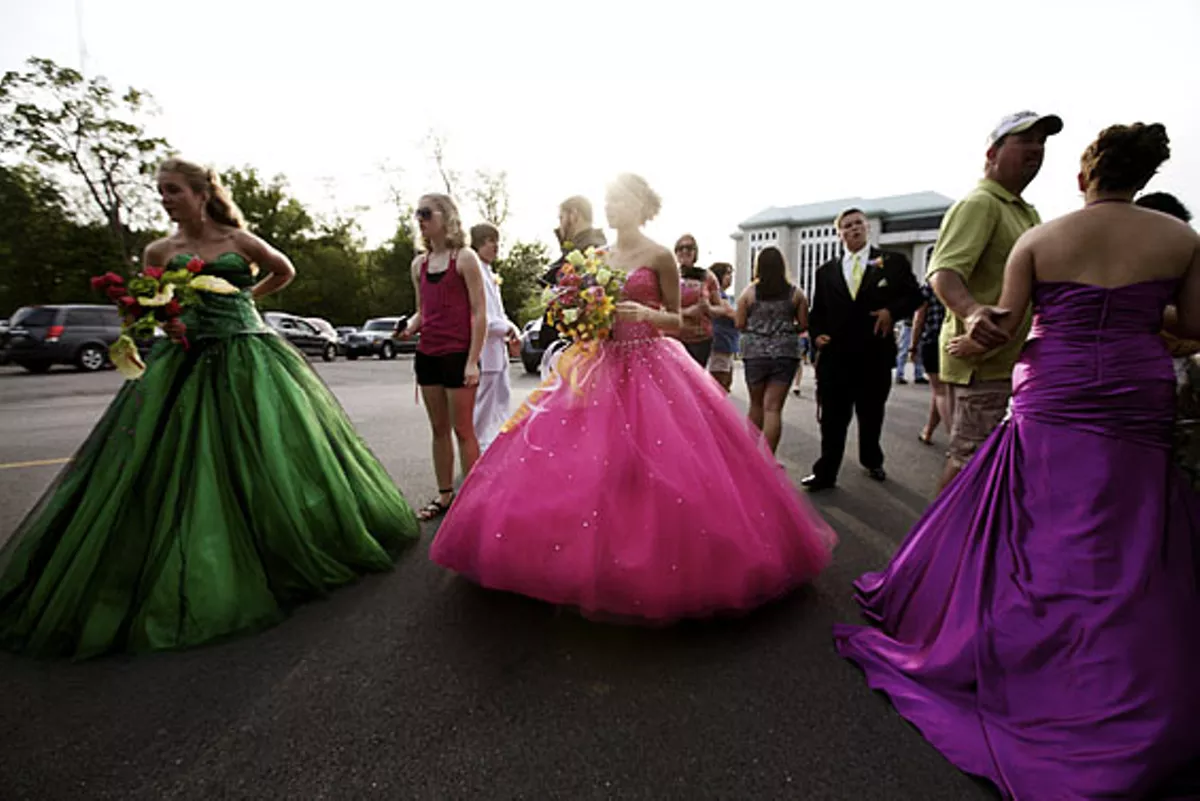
{"points": [[720, 362], [977, 410]]}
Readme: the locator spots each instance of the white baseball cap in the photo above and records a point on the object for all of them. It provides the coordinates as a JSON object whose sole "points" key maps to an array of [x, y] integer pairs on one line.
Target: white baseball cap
{"points": [[1023, 121]]}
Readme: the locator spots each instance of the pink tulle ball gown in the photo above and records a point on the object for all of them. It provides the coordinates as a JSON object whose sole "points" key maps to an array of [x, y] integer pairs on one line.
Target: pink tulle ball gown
{"points": [[628, 487]]}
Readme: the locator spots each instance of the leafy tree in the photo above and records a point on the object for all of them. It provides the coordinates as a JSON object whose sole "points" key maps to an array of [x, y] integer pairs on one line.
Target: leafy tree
{"points": [[388, 288], [520, 271], [490, 194], [81, 132], [45, 255], [437, 144], [269, 210], [56, 117]]}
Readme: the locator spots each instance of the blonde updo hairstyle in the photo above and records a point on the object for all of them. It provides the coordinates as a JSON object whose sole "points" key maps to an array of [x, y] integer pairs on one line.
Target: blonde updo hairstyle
{"points": [[219, 207], [648, 200], [456, 237]]}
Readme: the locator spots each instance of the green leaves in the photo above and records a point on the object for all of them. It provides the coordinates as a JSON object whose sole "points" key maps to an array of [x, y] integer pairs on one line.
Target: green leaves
{"points": [[521, 270], [81, 128], [143, 328], [268, 208], [142, 286], [78, 133]]}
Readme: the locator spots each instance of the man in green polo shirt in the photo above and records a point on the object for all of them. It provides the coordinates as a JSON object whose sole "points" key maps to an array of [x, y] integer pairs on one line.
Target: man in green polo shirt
{"points": [[967, 273]]}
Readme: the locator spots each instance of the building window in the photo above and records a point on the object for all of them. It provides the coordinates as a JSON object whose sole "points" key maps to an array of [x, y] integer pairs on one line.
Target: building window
{"points": [[814, 245], [929, 223]]}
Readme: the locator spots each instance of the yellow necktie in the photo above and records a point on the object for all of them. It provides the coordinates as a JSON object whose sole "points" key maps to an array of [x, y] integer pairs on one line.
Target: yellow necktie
{"points": [[856, 274]]}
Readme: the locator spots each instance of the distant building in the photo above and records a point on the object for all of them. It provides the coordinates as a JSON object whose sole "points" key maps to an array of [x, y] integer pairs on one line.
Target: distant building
{"points": [[905, 224]]}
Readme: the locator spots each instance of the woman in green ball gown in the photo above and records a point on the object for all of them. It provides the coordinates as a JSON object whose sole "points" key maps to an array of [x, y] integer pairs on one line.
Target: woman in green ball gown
{"points": [[220, 489]]}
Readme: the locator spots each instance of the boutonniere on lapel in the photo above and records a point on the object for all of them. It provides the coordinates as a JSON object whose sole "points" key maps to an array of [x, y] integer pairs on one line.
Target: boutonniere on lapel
{"points": [[877, 263]]}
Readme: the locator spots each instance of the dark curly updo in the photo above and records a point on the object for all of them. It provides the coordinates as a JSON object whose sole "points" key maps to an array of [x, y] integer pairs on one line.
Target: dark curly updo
{"points": [[1125, 157]]}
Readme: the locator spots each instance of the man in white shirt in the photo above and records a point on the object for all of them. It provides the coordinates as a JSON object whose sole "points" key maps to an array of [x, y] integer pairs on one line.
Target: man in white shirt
{"points": [[492, 399]]}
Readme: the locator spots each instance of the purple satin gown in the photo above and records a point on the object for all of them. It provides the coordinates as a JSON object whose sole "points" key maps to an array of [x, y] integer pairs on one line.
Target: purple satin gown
{"points": [[1040, 624]]}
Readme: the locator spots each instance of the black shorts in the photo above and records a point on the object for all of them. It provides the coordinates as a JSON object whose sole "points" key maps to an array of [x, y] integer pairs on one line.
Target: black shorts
{"points": [[700, 351], [445, 370], [770, 371], [931, 357]]}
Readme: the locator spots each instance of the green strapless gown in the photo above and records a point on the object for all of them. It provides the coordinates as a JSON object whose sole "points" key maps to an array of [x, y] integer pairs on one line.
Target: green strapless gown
{"points": [[219, 490]]}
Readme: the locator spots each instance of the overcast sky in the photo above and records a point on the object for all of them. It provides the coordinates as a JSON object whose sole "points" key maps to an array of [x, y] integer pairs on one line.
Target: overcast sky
{"points": [[725, 109]]}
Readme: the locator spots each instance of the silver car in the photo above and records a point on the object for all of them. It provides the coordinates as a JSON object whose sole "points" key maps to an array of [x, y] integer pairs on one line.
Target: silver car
{"points": [[377, 337]]}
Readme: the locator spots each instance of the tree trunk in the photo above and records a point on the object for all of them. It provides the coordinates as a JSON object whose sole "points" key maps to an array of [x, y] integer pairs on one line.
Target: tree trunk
{"points": [[119, 233]]}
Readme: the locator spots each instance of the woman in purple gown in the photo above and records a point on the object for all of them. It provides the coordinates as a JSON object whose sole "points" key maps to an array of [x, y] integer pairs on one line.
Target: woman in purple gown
{"points": [[1039, 623]]}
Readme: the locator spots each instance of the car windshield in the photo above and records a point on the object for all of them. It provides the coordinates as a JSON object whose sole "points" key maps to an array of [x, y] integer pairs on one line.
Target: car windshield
{"points": [[380, 325]]}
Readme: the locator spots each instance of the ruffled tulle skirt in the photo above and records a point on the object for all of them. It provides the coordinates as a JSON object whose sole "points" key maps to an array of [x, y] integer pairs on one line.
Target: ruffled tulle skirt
{"points": [[628, 486]]}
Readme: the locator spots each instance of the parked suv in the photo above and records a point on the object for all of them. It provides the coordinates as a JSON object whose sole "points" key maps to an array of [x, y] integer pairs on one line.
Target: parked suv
{"points": [[305, 336], [376, 338], [39, 337]]}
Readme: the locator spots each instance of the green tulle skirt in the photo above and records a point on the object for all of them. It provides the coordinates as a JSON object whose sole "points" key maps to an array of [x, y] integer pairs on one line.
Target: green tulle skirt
{"points": [[221, 489]]}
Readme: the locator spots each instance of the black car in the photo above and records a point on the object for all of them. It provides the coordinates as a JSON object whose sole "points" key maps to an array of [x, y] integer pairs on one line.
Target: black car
{"points": [[39, 337], [531, 348], [305, 336]]}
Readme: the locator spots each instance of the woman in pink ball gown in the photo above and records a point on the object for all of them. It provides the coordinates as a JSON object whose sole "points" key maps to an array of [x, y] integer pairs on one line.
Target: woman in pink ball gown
{"points": [[627, 485]]}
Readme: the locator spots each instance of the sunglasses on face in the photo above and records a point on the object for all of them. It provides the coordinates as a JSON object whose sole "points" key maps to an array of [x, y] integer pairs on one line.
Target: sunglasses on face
{"points": [[424, 213], [686, 249]]}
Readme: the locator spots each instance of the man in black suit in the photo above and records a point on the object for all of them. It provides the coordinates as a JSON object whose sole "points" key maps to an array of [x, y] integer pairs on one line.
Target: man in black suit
{"points": [[857, 298]]}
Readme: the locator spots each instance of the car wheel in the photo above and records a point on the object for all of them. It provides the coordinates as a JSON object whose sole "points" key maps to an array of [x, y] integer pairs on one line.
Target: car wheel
{"points": [[531, 366], [386, 351], [91, 358], [330, 352]]}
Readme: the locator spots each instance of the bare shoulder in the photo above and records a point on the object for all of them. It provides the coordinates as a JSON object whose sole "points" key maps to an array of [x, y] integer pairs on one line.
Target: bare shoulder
{"points": [[1048, 230], [247, 243], [467, 258], [1169, 227], [416, 262], [158, 252], [660, 258]]}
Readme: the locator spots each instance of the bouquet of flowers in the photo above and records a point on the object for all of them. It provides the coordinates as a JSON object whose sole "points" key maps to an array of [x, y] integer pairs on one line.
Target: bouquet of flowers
{"points": [[583, 305], [154, 297]]}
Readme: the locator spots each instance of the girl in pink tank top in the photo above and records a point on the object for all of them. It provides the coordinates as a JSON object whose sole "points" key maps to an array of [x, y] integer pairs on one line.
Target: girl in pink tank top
{"points": [[445, 310], [452, 320]]}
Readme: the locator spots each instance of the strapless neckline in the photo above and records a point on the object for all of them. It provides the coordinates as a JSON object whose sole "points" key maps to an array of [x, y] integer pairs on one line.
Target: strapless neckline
{"points": [[207, 262]]}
